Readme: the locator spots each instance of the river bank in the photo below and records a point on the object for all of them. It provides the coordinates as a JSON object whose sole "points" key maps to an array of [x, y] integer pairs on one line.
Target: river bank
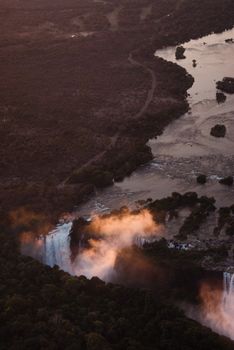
{"points": [[103, 113], [180, 154]]}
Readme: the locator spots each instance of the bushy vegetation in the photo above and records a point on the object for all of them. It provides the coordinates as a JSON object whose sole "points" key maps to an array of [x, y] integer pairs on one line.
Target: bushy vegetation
{"points": [[200, 207], [197, 216], [44, 308], [226, 85], [93, 175], [225, 221]]}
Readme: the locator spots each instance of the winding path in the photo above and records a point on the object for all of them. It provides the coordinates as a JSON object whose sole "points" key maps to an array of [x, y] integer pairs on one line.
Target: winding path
{"points": [[151, 91], [138, 115]]}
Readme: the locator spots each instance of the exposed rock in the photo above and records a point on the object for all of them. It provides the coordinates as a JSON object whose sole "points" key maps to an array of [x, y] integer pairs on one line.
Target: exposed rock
{"points": [[194, 63], [228, 181], [180, 50], [218, 130], [226, 85], [220, 97], [79, 236], [201, 179]]}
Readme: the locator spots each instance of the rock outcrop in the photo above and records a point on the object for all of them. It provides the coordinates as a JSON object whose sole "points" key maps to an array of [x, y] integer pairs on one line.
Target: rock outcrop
{"points": [[79, 236], [228, 181], [219, 130], [229, 41], [201, 179], [180, 50]]}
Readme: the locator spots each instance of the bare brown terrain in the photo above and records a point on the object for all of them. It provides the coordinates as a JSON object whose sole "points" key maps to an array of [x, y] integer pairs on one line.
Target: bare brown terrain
{"points": [[81, 92]]}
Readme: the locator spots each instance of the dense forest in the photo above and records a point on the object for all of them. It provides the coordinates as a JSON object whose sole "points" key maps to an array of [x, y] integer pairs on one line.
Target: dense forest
{"points": [[75, 116], [45, 308]]}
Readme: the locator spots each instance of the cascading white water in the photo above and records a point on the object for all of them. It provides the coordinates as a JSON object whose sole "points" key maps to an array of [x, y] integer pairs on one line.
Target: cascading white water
{"points": [[56, 249], [110, 235], [217, 306], [217, 310], [228, 294]]}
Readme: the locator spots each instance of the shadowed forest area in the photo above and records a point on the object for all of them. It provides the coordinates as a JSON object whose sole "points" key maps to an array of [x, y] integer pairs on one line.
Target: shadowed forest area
{"points": [[44, 308]]}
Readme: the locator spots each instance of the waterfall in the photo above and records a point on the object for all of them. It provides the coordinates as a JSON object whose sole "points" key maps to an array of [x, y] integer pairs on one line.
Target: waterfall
{"points": [[96, 258], [218, 306], [56, 249], [90, 248], [141, 240], [228, 294]]}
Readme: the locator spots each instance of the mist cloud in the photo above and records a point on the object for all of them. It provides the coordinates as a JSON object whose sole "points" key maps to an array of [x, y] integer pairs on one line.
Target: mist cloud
{"points": [[116, 232]]}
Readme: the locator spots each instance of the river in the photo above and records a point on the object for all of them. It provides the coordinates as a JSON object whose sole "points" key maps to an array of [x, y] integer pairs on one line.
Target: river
{"points": [[183, 151], [186, 148]]}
